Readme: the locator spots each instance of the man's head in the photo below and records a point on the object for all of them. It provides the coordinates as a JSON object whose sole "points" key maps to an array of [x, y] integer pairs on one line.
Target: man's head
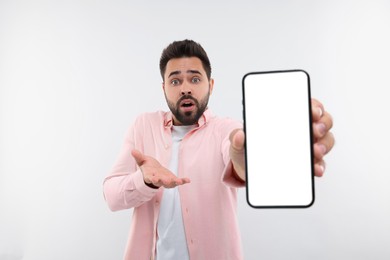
{"points": [[187, 82]]}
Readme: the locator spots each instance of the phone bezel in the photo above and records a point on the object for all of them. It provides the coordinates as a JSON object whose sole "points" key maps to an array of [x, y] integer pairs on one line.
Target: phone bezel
{"points": [[311, 140]]}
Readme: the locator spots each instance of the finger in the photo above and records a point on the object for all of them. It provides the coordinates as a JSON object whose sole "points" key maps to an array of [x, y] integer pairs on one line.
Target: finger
{"points": [[237, 139], [171, 182], [317, 109], [138, 156], [175, 182], [186, 180], [323, 146], [319, 168], [182, 181], [323, 125]]}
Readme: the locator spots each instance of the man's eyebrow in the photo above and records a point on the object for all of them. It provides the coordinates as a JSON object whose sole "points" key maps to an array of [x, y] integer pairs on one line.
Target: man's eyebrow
{"points": [[176, 72], [194, 72]]}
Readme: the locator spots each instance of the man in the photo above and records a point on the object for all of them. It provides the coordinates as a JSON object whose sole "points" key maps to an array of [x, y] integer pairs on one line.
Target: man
{"points": [[180, 170]]}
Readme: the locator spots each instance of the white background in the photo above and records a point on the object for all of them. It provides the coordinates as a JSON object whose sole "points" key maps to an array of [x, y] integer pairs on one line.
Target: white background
{"points": [[74, 75]]}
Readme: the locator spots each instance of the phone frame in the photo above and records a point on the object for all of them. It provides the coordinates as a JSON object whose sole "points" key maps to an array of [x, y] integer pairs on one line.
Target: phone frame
{"points": [[311, 141]]}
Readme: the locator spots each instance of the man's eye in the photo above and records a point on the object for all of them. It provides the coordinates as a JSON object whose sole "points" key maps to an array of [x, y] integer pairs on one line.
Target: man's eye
{"points": [[175, 82], [195, 80]]}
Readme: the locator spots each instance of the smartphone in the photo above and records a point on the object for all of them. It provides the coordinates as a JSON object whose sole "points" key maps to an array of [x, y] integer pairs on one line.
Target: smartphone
{"points": [[278, 139]]}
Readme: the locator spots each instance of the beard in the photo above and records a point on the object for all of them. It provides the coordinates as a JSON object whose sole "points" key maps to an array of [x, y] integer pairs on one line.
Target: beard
{"points": [[188, 117]]}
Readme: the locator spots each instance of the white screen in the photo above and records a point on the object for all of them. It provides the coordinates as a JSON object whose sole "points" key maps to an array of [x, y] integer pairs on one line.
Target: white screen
{"points": [[278, 139]]}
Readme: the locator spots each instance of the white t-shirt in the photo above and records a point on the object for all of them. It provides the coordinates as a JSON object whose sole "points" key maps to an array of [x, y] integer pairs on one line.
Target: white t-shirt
{"points": [[171, 241]]}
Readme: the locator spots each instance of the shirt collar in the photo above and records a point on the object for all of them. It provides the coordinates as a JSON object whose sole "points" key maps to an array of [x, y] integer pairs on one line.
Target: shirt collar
{"points": [[168, 119]]}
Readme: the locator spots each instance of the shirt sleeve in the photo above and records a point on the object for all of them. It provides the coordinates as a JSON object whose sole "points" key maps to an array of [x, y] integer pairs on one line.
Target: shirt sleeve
{"points": [[124, 187], [230, 178]]}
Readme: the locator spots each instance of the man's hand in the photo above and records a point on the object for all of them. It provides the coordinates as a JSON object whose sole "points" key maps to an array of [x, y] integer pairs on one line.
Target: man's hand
{"points": [[155, 174], [323, 139]]}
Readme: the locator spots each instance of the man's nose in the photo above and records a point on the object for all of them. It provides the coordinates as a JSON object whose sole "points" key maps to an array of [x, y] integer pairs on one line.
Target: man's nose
{"points": [[185, 89]]}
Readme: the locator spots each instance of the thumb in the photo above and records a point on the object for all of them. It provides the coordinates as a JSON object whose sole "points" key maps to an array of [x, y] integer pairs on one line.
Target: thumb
{"points": [[237, 139], [138, 156]]}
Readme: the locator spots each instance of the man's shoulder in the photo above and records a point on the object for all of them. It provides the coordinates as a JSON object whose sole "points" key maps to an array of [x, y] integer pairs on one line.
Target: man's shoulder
{"points": [[225, 121], [152, 115], [223, 125], [156, 117]]}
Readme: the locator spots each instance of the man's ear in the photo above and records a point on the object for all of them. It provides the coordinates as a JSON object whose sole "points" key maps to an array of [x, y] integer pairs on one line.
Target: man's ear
{"points": [[211, 84], [163, 86]]}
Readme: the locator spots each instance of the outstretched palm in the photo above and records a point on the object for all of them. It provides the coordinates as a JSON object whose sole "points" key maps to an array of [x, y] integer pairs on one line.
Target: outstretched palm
{"points": [[156, 174]]}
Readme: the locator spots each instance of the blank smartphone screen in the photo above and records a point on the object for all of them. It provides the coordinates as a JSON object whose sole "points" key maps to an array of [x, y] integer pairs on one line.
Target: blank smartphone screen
{"points": [[277, 125]]}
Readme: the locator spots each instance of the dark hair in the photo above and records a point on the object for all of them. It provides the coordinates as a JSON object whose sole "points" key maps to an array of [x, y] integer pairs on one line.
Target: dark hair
{"points": [[186, 48]]}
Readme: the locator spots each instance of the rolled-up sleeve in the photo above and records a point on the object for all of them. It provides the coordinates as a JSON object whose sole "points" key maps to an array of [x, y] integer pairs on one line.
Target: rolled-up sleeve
{"points": [[124, 187]]}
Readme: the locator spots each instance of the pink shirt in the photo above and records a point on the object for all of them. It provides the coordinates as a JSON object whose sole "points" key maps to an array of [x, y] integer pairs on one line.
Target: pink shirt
{"points": [[208, 203]]}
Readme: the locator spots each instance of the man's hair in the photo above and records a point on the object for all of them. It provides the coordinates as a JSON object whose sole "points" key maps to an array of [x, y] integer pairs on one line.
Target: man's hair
{"points": [[185, 48]]}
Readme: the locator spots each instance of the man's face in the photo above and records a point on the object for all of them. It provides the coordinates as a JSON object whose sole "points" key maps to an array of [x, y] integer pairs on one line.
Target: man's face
{"points": [[187, 89]]}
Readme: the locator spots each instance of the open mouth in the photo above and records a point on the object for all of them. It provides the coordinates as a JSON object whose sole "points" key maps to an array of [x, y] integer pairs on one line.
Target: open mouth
{"points": [[187, 105]]}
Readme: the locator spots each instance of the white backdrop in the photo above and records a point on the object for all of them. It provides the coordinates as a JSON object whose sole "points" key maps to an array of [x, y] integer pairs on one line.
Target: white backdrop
{"points": [[74, 75]]}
